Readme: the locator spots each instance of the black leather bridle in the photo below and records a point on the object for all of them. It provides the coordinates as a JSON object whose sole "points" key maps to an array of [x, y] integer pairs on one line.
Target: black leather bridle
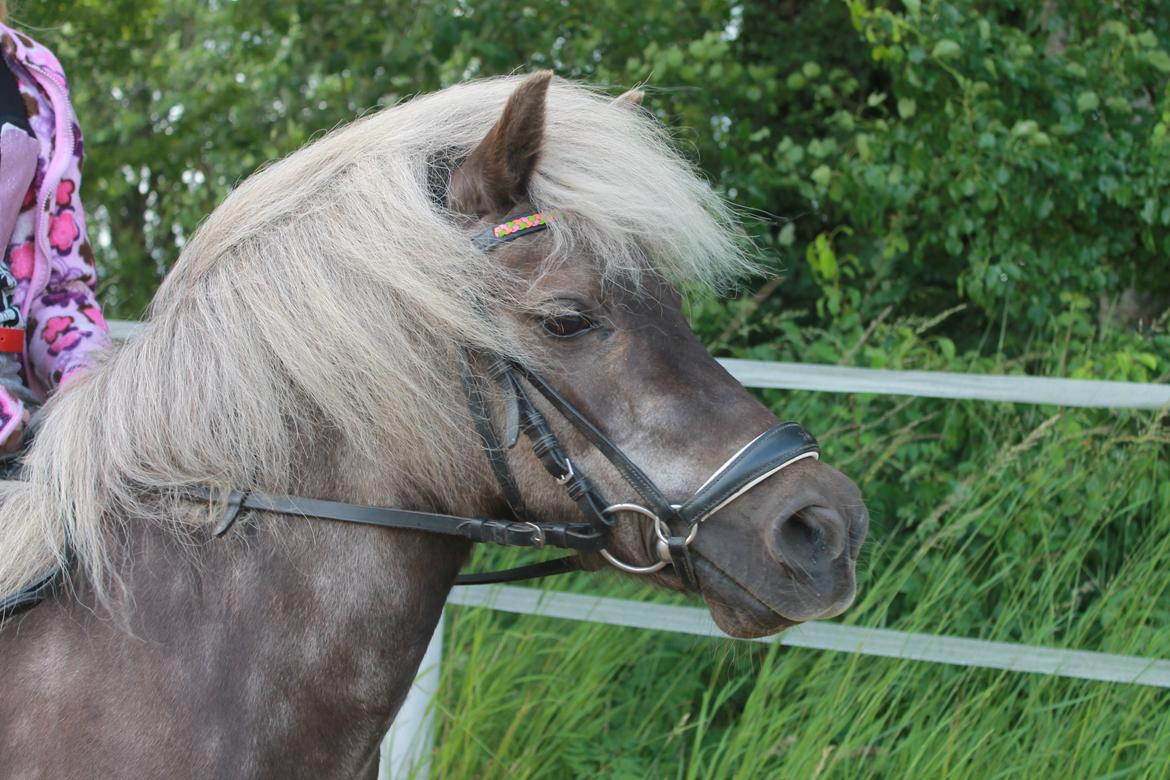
{"points": [[675, 525]]}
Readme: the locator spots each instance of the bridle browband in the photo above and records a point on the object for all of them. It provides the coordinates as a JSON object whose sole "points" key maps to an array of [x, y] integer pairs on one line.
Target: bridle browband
{"points": [[675, 525]]}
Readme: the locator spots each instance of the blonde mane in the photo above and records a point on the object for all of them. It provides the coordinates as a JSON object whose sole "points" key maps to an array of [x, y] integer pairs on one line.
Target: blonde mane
{"points": [[326, 297]]}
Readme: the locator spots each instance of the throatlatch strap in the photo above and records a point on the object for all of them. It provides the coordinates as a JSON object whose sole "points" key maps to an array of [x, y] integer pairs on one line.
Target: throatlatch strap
{"points": [[492, 448]]}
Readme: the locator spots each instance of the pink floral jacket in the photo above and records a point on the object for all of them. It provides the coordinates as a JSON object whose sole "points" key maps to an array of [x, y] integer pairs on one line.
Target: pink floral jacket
{"points": [[49, 252]]}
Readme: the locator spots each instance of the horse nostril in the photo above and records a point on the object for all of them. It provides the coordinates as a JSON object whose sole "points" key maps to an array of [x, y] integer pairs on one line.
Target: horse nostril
{"points": [[799, 537], [809, 538]]}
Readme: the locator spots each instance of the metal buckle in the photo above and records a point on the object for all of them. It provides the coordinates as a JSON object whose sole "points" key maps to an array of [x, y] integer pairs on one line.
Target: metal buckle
{"points": [[564, 478], [538, 531]]}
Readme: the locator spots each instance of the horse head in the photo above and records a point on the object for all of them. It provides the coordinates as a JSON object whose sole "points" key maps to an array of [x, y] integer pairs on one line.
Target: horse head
{"points": [[616, 345]]}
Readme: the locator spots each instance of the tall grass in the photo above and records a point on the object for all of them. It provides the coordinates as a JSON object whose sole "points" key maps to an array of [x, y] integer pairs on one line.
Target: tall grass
{"points": [[1025, 524]]}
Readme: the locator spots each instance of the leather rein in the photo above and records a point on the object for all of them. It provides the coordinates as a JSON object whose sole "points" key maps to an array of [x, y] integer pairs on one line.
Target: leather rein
{"points": [[675, 525]]}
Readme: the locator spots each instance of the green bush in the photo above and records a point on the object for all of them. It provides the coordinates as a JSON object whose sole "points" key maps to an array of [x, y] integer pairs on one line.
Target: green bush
{"points": [[1021, 152]]}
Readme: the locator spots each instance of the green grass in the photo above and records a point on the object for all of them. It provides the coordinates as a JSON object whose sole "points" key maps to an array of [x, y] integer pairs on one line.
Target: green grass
{"points": [[1013, 523]]}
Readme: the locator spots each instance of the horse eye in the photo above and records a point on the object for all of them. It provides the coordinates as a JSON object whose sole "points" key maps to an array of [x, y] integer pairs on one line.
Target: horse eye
{"points": [[566, 326]]}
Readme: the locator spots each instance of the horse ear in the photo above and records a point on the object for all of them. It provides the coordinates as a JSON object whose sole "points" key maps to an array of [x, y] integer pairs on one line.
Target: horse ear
{"points": [[631, 99], [495, 177]]}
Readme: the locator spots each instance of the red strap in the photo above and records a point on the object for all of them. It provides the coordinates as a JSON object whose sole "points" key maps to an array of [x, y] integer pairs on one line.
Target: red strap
{"points": [[11, 339]]}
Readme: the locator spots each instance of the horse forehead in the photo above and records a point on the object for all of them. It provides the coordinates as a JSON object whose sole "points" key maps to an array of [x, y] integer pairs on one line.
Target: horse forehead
{"points": [[650, 295], [529, 257]]}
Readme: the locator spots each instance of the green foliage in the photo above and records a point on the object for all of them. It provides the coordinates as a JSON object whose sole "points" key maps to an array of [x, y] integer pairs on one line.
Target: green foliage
{"points": [[1025, 155]]}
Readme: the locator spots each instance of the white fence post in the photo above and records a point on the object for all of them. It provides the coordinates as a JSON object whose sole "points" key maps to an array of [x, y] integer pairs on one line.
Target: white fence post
{"points": [[406, 750]]}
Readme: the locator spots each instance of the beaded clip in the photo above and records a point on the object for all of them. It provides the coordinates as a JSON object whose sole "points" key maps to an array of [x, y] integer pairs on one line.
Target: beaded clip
{"points": [[513, 228]]}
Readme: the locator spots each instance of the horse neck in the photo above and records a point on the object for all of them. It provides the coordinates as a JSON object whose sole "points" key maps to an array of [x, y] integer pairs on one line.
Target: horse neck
{"points": [[334, 618], [303, 632], [334, 621]]}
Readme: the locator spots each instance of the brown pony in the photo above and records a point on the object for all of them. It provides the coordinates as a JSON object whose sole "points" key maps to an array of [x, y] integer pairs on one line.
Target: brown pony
{"points": [[308, 342]]}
